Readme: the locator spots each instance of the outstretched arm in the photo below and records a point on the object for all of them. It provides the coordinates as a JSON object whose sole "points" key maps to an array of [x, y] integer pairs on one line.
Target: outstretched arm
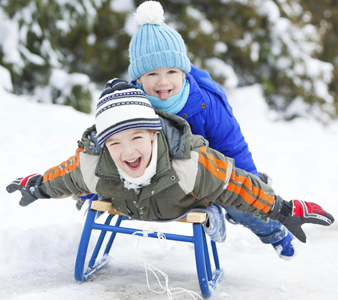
{"points": [[221, 182], [61, 181]]}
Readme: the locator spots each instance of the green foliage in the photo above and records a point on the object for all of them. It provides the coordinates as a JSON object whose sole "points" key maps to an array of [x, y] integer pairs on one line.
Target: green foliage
{"points": [[42, 27], [79, 98], [324, 15], [108, 56], [267, 42], [272, 42]]}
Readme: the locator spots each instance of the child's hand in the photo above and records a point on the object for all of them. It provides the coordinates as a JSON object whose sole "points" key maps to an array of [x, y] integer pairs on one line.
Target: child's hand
{"points": [[293, 214], [30, 188]]}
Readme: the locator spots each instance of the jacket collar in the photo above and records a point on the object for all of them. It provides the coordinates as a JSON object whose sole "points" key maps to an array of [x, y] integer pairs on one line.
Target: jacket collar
{"points": [[177, 133]]}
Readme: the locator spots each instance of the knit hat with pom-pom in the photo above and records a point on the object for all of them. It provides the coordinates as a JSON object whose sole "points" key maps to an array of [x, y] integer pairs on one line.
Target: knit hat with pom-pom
{"points": [[155, 44], [122, 106]]}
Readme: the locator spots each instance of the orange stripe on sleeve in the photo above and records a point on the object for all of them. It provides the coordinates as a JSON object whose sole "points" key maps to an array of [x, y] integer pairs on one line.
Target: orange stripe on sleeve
{"points": [[211, 168], [65, 167], [210, 162], [254, 190], [248, 198], [218, 162]]}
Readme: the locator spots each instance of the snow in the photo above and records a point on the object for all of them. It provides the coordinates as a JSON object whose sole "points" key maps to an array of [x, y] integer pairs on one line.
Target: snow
{"points": [[205, 25], [9, 41], [254, 55], [220, 68], [62, 80], [271, 10], [62, 25], [38, 243], [122, 5], [91, 39], [220, 47], [33, 58], [131, 26], [6, 80]]}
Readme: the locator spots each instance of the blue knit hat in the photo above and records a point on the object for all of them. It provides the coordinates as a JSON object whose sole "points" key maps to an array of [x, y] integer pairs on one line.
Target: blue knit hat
{"points": [[155, 44]]}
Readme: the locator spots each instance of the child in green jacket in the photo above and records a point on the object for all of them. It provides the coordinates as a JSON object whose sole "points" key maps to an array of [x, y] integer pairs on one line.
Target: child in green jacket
{"points": [[152, 167]]}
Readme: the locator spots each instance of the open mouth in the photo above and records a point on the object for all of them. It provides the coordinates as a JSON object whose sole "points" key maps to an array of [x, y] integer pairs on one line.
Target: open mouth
{"points": [[133, 164], [163, 94]]}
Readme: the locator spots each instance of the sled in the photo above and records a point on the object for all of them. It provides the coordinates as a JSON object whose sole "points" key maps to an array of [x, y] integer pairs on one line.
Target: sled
{"points": [[207, 277]]}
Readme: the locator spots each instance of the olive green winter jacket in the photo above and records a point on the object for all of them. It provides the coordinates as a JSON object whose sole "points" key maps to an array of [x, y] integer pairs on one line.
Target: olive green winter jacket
{"points": [[189, 175]]}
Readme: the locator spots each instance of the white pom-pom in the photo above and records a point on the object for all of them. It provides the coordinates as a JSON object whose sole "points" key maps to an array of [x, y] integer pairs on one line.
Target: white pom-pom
{"points": [[150, 12]]}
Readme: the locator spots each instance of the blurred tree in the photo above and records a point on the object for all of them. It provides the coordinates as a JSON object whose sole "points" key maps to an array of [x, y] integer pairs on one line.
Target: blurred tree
{"points": [[32, 49], [268, 42], [324, 15], [276, 43]]}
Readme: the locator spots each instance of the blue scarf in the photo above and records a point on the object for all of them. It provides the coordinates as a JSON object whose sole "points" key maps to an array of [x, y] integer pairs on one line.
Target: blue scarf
{"points": [[174, 103]]}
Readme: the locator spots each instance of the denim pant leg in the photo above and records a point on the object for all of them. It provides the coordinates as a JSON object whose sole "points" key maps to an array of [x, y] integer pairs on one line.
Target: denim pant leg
{"points": [[269, 233]]}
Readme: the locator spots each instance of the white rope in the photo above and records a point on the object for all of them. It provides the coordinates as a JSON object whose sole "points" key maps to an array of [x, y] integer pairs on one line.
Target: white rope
{"points": [[164, 288]]}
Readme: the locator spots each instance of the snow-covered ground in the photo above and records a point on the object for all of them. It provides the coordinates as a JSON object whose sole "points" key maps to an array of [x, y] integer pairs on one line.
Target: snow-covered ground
{"points": [[38, 244]]}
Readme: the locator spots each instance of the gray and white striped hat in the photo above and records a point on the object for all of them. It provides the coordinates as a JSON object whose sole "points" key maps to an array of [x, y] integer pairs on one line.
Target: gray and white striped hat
{"points": [[122, 106]]}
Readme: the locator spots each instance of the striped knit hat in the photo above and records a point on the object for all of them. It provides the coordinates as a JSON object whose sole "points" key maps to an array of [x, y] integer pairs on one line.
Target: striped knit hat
{"points": [[155, 44], [122, 106]]}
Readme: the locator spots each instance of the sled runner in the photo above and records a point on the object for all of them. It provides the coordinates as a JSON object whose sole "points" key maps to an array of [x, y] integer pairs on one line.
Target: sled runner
{"points": [[206, 277]]}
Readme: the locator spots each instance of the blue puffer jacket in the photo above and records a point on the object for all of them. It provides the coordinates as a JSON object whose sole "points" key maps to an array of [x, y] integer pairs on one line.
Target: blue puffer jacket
{"points": [[209, 114]]}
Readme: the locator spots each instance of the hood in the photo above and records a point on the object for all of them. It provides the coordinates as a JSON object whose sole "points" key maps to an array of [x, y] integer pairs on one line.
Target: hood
{"points": [[89, 141], [177, 133]]}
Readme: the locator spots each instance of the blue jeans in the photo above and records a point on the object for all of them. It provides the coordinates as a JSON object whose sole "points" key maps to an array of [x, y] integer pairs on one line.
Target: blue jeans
{"points": [[269, 233]]}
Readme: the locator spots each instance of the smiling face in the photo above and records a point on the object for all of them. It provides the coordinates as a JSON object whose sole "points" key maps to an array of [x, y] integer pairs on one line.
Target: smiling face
{"points": [[163, 82], [131, 150]]}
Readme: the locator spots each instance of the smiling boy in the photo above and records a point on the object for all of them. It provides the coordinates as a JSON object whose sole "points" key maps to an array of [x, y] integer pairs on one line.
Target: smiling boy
{"points": [[131, 150], [163, 82], [152, 167]]}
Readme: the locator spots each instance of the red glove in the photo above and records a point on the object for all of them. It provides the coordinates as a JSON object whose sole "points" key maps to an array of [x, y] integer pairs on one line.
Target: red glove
{"points": [[30, 187], [311, 211], [293, 214]]}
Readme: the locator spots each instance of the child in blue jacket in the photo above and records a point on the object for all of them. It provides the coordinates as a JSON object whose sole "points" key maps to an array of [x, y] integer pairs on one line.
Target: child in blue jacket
{"points": [[160, 66]]}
